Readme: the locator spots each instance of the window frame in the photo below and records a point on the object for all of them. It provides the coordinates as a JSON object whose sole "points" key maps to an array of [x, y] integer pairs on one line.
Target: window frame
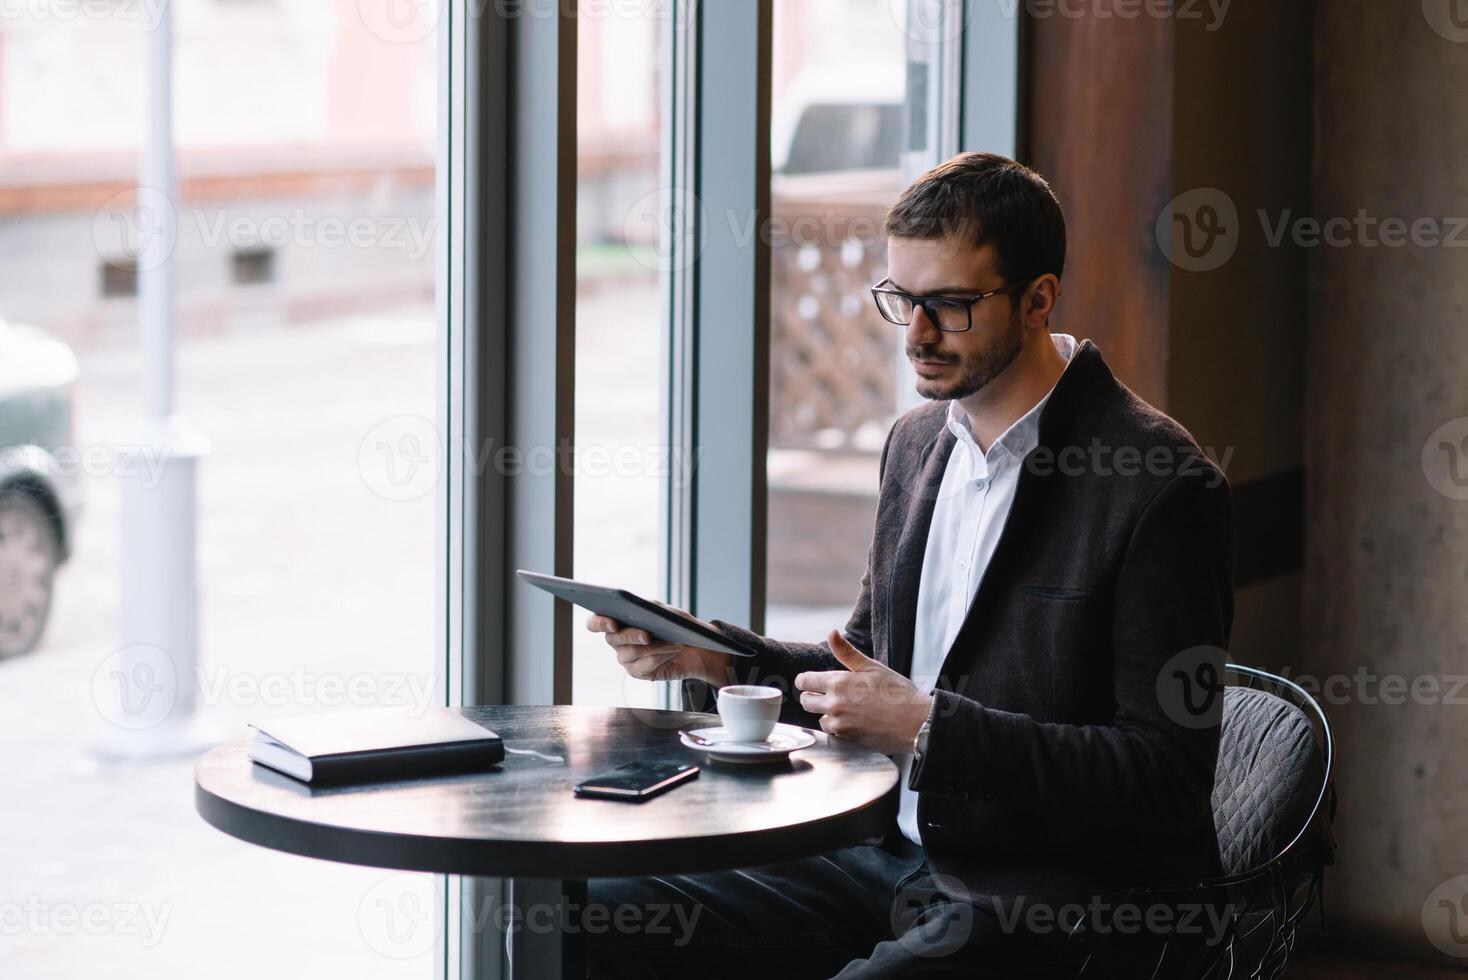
{"points": [[726, 337], [506, 270], [506, 267]]}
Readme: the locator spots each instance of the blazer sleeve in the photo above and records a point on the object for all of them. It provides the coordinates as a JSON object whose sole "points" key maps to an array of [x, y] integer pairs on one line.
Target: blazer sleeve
{"points": [[777, 662], [1152, 767]]}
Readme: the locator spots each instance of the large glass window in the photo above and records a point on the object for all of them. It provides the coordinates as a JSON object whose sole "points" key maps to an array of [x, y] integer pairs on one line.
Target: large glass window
{"points": [[846, 117], [302, 240], [622, 457]]}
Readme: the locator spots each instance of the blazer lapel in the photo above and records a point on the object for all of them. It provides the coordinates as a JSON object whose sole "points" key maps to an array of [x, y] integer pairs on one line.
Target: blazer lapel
{"points": [[1058, 421], [1057, 430], [907, 566]]}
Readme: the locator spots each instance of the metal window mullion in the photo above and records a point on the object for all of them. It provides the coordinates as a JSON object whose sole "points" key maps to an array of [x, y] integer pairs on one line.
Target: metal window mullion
{"points": [[539, 367], [509, 263], [730, 348], [456, 305], [949, 104], [680, 227], [478, 320]]}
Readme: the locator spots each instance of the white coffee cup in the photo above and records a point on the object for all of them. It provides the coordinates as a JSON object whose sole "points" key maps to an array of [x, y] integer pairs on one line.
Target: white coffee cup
{"points": [[748, 712]]}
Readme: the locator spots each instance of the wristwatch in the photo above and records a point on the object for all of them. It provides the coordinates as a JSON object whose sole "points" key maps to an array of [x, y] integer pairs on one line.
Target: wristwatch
{"points": [[920, 740]]}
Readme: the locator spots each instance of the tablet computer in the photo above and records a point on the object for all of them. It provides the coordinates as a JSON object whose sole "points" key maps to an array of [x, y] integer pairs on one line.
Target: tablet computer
{"points": [[630, 609]]}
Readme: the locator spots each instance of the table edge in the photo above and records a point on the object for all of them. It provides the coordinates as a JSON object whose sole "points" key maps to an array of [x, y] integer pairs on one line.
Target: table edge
{"points": [[544, 859]]}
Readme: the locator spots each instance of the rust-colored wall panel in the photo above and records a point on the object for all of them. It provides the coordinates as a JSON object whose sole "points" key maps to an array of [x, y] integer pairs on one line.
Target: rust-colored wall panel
{"points": [[1097, 122]]}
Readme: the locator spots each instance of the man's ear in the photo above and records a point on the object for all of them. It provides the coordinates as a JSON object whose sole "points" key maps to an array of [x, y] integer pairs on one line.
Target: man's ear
{"points": [[1039, 300]]}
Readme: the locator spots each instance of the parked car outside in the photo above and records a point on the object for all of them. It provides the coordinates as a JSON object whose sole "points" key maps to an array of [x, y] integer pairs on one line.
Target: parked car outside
{"points": [[40, 479]]}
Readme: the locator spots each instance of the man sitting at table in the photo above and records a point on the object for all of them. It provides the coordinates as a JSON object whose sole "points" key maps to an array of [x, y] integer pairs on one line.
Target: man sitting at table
{"points": [[1037, 641]]}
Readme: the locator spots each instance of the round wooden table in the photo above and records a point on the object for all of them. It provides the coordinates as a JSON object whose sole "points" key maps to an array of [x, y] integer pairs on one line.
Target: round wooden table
{"points": [[521, 821]]}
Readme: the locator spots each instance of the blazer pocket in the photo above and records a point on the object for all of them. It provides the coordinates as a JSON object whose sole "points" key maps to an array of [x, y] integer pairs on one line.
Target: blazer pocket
{"points": [[1052, 592], [1064, 637]]}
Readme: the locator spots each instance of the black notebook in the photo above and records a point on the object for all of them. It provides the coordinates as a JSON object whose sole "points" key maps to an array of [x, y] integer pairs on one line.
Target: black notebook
{"points": [[374, 744]]}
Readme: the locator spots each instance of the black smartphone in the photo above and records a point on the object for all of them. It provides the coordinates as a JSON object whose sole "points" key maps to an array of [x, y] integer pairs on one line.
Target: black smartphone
{"points": [[637, 781]]}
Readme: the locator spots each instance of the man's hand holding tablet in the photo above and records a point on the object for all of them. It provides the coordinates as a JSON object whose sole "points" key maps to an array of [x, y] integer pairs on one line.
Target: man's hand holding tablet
{"points": [[650, 659], [653, 640]]}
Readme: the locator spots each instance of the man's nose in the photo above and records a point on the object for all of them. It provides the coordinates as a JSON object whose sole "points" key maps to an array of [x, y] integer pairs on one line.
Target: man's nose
{"points": [[922, 330]]}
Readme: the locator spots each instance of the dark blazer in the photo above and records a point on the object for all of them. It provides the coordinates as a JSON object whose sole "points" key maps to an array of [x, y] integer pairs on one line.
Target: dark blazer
{"points": [[1064, 760]]}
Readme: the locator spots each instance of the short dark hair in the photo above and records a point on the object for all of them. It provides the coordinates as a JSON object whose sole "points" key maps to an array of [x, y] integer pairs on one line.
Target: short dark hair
{"points": [[984, 197]]}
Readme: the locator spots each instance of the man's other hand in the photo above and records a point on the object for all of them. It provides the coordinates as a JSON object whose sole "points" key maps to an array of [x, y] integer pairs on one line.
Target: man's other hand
{"points": [[867, 702]]}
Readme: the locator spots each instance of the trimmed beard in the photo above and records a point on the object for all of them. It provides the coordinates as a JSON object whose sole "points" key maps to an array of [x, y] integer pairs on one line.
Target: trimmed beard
{"points": [[978, 369]]}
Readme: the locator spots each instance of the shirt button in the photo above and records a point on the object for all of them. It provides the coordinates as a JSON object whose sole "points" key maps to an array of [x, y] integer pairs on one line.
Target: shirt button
{"points": [[962, 564]]}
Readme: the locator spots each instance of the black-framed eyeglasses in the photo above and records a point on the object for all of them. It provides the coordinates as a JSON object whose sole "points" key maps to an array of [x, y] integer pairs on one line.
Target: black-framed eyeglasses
{"points": [[951, 314]]}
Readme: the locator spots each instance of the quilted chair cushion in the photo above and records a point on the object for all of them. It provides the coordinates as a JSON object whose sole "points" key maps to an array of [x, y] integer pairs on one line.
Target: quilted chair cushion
{"points": [[1268, 777]]}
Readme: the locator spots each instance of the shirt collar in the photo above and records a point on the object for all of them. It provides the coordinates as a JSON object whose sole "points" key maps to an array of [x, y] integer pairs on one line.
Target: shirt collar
{"points": [[1023, 434]]}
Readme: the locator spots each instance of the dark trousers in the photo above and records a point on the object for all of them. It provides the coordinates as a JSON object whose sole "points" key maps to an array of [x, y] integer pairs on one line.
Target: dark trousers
{"points": [[859, 913]]}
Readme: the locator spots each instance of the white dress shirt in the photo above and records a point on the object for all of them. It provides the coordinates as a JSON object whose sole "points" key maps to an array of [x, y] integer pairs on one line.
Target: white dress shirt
{"points": [[973, 502]]}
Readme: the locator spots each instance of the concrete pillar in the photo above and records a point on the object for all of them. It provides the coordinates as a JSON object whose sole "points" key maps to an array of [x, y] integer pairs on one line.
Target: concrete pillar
{"points": [[1386, 568]]}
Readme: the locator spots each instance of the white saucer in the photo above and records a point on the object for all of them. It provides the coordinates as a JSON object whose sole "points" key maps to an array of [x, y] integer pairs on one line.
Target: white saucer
{"points": [[782, 741]]}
